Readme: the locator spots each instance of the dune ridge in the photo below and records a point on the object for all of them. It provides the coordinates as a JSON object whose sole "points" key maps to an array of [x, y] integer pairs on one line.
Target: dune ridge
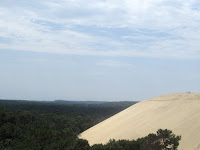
{"points": [[179, 112]]}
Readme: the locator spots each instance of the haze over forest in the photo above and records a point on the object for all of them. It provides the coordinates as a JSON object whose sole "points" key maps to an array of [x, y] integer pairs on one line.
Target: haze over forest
{"points": [[98, 50]]}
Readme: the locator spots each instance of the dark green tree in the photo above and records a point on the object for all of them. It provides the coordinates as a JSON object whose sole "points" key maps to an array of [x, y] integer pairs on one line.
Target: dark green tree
{"points": [[163, 140], [81, 145]]}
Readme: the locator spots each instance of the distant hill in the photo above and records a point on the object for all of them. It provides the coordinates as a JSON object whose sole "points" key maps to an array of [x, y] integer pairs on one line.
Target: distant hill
{"points": [[69, 107], [7, 102], [78, 102], [103, 103]]}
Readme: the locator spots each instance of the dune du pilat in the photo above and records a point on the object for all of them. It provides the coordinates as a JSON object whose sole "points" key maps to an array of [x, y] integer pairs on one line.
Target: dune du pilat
{"points": [[178, 112]]}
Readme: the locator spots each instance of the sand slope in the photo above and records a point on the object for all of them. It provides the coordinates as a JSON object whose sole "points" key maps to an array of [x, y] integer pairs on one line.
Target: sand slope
{"points": [[178, 112]]}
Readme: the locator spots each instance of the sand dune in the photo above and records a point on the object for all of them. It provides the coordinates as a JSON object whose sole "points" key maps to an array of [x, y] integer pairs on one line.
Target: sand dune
{"points": [[178, 112]]}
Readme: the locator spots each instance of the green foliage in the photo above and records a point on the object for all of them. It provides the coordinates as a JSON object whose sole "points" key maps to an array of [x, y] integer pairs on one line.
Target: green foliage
{"points": [[50, 127], [39, 131], [81, 145], [163, 140], [122, 145]]}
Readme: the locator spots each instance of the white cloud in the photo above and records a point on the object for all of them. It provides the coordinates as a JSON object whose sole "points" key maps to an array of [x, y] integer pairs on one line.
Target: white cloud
{"points": [[155, 28], [113, 63]]}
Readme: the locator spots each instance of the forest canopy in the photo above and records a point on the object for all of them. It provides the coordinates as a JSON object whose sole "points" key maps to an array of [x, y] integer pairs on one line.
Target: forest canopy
{"points": [[55, 126]]}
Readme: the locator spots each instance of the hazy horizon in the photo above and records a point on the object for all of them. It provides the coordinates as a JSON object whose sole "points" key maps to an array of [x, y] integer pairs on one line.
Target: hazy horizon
{"points": [[98, 50]]}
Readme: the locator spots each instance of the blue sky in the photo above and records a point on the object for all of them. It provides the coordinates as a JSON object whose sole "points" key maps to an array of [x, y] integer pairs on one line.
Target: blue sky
{"points": [[98, 50]]}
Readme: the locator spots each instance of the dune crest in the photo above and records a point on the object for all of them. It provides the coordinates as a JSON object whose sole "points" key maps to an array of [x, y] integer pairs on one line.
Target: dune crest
{"points": [[179, 112]]}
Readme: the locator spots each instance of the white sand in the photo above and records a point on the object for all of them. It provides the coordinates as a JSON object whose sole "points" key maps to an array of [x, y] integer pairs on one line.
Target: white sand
{"points": [[177, 112]]}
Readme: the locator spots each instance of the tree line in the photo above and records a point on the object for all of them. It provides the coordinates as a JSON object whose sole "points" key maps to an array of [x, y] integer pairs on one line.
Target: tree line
{"points": [[35, 126]]}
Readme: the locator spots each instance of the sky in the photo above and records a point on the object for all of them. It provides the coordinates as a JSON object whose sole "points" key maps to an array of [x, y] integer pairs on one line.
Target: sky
{"points": [[109, 50]]}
